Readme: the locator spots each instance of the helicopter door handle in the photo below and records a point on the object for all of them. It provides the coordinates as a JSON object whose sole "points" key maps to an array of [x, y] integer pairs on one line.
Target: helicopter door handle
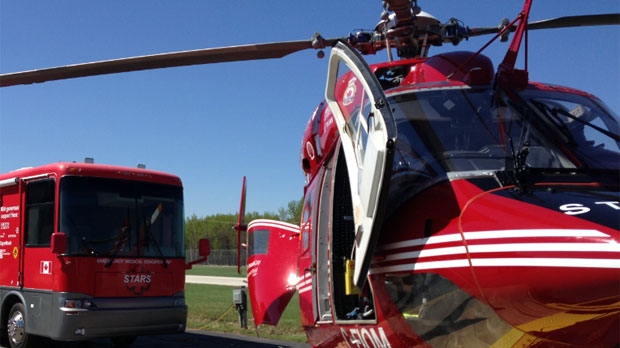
{"points": [[312, 269]]}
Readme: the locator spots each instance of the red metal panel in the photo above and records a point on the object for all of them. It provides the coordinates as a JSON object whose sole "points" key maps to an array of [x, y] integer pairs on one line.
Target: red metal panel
{"points": [[269, 274]]}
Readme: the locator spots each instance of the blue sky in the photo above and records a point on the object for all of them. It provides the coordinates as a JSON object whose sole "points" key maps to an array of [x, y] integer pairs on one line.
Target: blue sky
{"points": [[213, 124]]}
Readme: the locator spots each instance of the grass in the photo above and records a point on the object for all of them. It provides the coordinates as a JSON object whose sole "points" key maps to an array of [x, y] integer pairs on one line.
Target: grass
{"points": [[211, 309]]}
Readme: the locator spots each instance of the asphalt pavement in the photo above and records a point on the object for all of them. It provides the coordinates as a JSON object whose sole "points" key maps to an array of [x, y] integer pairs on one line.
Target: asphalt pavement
{"points": [[191, 338]]}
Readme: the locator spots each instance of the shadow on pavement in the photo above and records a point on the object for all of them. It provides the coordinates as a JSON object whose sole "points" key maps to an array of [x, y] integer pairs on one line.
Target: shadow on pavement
{"points": [[185, 340]]}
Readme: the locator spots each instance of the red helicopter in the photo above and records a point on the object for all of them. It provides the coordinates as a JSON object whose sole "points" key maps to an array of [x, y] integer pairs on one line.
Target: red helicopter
{"points": [[429, 179]]}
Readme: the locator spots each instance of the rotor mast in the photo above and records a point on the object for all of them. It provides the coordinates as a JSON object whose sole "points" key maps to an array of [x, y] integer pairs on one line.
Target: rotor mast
{"points": [[403, 33]]}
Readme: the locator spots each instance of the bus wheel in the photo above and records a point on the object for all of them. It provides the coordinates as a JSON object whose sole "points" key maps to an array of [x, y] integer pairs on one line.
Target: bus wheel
{"points": [[16, 328], [123, 341]]}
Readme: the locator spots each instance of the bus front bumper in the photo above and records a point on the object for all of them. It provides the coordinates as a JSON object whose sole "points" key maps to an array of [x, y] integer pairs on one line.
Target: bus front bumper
{"points": [[131, 319]]}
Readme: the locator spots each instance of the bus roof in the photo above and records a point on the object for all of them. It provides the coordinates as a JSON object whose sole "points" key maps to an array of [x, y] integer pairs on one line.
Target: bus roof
{"points": [[60, 169]]}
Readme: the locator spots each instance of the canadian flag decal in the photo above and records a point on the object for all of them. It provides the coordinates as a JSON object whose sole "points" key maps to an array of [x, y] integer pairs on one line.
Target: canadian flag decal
{"points": [[46, 267]]}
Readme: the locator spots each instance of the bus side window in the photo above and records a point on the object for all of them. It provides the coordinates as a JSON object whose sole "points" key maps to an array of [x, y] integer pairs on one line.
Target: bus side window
{"points": [[39, 212]]}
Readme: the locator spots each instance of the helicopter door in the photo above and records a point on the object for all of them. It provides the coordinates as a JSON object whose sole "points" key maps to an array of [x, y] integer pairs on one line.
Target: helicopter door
{"points": [[367, 130], [307, 261], [271, 268]]}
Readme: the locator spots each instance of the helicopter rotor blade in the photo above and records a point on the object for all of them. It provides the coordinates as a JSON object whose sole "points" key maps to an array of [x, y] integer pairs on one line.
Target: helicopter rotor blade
{"points": [[165, 60], [576, 21], [560, 22]]}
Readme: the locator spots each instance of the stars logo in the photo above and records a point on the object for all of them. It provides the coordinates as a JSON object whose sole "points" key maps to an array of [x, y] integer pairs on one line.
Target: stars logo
{"points": [[138, 281]]}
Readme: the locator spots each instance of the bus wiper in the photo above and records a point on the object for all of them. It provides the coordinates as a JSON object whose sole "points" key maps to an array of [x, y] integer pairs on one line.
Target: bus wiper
{"points": [[147, 231], [120, 241], [85, 242], [119, 244]]}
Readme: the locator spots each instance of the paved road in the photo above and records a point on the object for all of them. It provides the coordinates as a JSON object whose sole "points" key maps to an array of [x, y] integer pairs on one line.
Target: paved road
{"points": [[191, 338], [212, 280]]}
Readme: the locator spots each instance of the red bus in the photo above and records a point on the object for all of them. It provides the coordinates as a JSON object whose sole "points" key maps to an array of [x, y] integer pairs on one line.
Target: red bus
{"points": [[90, 250]]}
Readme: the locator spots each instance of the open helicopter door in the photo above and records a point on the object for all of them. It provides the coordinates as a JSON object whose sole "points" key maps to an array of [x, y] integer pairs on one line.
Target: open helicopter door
{"points": [[367, 130], [271, 267], [271, 254]]}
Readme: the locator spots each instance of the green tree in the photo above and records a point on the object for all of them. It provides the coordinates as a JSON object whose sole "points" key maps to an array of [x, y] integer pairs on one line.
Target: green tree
{"points": [[195, 228], [220, 231], [292, 212], [219, 228]]}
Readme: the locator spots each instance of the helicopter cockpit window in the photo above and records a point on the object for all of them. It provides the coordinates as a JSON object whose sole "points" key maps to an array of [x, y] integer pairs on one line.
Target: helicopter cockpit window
{"points": [[445, 131], [258, 243], [481, 130], [469, 130], [586, 129]]}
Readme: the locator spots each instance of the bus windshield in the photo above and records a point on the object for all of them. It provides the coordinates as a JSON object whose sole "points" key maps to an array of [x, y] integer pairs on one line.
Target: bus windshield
{"points": [[115, 218]]}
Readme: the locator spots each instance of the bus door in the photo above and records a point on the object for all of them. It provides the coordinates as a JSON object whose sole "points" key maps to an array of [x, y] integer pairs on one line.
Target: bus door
{"points": [[10, 231], [38, 226]]}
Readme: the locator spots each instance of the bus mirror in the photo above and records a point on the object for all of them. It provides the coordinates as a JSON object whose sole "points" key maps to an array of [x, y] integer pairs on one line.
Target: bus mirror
{"points": [[204, 247], [59, 243]]}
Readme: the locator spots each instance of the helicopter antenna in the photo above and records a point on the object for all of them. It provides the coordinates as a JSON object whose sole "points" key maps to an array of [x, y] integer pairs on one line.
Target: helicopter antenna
{"points": [[506, 71]]}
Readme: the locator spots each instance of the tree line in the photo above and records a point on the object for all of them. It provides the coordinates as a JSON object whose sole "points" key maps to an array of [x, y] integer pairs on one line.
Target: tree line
{"points": [[219, 227]]}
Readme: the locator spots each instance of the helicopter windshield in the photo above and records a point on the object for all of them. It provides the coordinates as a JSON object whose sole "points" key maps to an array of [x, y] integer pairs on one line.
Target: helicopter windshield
{"points": [[469, 131], [581, 127]]}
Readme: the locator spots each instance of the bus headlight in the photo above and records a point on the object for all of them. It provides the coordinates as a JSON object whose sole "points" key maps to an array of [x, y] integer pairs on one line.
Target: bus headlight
{"points": [[78, 304]]}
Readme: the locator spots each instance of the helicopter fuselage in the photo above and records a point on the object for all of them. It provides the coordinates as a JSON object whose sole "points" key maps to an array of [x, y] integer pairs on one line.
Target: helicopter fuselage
{"points": [[500, 223]]}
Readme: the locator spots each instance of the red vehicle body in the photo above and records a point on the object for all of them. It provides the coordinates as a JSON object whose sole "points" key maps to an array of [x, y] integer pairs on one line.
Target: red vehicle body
{"points": [[270, 247], [448, 204], [465, 255], [90, 250]]}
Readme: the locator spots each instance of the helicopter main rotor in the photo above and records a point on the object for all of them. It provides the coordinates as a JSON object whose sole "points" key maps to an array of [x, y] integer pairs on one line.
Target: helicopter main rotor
{"points": [[411, 31], [403, 26], [165, 60]]}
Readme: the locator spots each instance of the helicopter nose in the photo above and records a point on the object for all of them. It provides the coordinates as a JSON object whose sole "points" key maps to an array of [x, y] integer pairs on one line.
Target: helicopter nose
{"points": [[551, 283]]}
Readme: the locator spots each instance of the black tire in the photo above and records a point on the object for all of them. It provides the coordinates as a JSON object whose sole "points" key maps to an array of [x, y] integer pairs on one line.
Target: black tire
{"points": [[123, 341], [16, 328]]}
